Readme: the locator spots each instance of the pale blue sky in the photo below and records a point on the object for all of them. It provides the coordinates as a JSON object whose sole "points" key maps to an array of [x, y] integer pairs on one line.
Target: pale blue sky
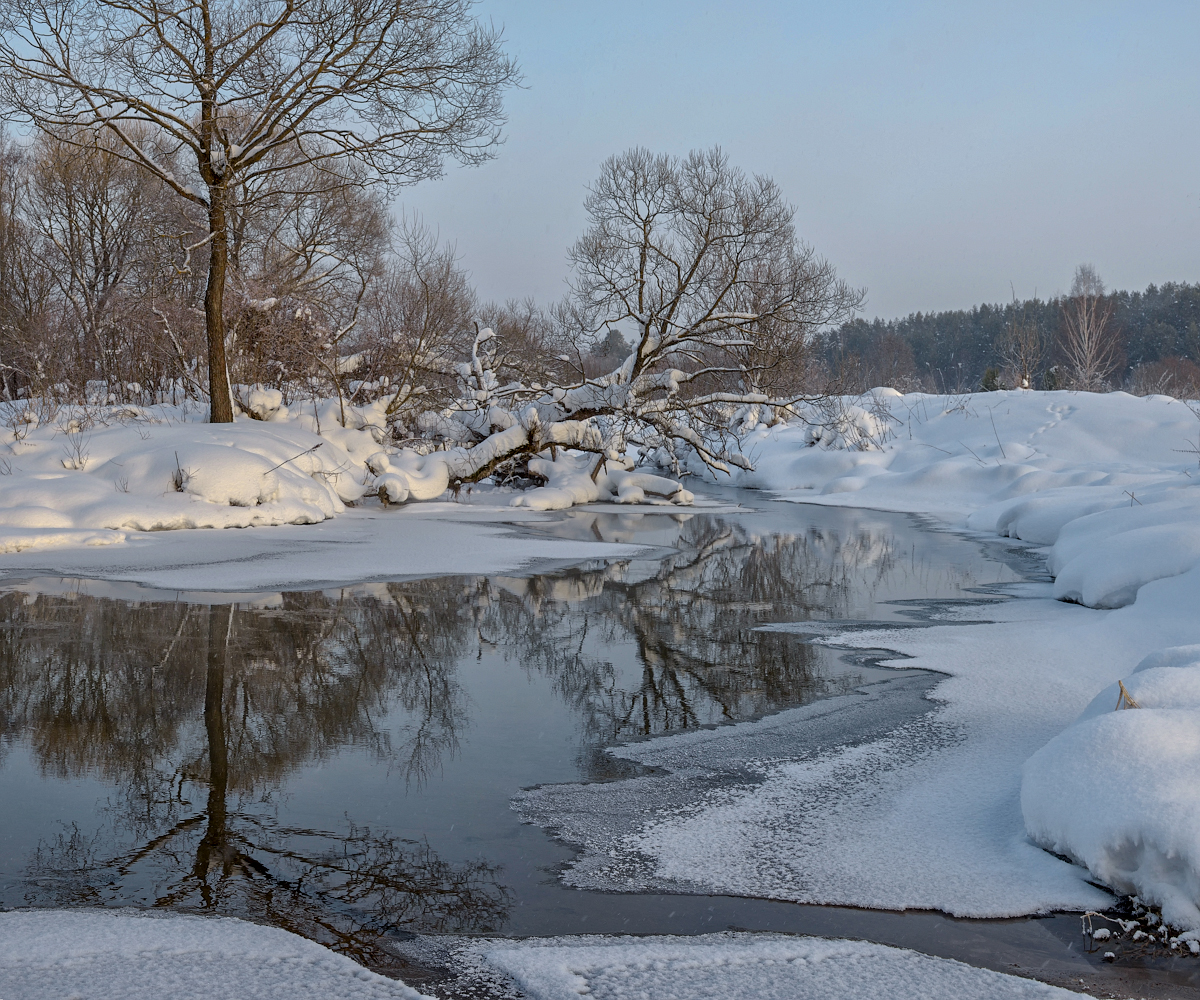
{"points": [[935, 152]]}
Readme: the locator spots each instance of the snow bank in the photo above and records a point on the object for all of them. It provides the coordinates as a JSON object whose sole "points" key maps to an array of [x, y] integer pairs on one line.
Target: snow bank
{"points": [[88, 474], [104, 471], [132, 955], [1117, 790], [766, 967], [1110, 481]]}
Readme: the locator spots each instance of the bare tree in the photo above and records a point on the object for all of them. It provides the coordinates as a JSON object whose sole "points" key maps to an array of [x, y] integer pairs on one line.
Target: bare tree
{"points": [[1021, 349], [26, 289], [305, 247], [417, 325], [394, 86], [1088, 339], [702, 265], [96, 215]]}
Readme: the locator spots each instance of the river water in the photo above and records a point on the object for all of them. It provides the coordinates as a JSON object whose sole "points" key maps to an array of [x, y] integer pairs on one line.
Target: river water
{"points": [[343, 763]]}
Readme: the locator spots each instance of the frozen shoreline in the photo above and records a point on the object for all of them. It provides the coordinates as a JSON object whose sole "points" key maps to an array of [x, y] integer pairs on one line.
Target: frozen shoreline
{"points": [[953, 817]]}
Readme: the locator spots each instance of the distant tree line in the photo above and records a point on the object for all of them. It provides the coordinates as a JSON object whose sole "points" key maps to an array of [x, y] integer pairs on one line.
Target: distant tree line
{"points": [[1142, 342]]}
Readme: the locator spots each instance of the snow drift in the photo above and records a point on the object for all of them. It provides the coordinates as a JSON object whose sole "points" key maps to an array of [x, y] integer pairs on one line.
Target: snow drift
{"points": [[1117, 790]]}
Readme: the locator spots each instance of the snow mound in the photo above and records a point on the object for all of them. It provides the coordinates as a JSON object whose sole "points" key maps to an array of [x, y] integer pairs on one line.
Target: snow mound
{"points": [[1103, 559], [130, 955], [1117, 790], [766, 967], [569, 481], [406, 475], [150, 469]]}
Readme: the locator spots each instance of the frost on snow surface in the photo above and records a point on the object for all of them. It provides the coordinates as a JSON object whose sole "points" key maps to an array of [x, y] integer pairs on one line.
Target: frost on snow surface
{"points": [[125, 955], [733, 966]]}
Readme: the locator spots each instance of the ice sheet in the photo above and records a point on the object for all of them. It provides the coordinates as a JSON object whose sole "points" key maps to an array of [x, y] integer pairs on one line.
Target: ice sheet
{"points": [[733, 966]]}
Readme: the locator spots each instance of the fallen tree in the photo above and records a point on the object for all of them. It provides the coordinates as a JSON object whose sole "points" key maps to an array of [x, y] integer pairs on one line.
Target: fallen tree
{"points": [[702, 265]]}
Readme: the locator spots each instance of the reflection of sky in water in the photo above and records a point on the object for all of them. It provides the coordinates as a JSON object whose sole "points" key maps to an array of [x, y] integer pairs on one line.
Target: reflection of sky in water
{"points": [[342, 762]]}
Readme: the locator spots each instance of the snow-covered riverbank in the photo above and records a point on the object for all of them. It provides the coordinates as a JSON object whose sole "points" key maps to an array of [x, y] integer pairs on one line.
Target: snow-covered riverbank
{"points": [[124, 955], [98, 476], [962, 811], [1110, 485]]}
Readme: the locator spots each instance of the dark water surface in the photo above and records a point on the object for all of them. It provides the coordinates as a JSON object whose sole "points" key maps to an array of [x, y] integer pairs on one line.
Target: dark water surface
{"points": [[341, 763]]}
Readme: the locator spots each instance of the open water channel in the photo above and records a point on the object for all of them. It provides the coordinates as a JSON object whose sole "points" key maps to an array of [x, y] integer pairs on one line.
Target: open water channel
{"points": [[344, 763]]}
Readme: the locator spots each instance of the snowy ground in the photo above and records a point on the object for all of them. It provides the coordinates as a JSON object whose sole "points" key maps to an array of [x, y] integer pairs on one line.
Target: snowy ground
{"points": [[124, 955], [128, 955], [766, 967]]}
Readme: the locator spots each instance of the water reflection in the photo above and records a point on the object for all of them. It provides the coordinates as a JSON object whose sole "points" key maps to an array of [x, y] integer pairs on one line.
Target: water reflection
{"points": [[692, 617], [196, 715], [198, 721]]}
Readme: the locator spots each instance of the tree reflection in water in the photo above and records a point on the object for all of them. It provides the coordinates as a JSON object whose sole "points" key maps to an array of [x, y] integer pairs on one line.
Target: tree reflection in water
{"points": [[198, 715], [693, 622], [161, 700]]}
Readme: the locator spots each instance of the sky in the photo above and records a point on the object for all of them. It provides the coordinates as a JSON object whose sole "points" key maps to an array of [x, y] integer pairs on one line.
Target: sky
{"points": [[938, 154]]}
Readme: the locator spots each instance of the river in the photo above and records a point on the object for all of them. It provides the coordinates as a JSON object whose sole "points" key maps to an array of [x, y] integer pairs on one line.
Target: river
{"points": [[344, 763]]}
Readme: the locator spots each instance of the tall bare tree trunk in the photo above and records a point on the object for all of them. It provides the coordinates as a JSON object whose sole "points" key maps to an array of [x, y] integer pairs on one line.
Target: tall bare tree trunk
{"points": [[214, 847], [220, 407]]}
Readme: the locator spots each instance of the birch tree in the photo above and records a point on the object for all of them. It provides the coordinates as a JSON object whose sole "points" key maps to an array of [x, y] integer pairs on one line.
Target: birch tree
{"points": [[1088, 342], [393, 87]]}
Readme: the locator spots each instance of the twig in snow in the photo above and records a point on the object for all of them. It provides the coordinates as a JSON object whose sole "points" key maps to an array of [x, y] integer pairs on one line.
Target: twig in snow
{"points": [[179, 478], [307, 451], [1125, 699], [971, 450], [997, 433]]}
